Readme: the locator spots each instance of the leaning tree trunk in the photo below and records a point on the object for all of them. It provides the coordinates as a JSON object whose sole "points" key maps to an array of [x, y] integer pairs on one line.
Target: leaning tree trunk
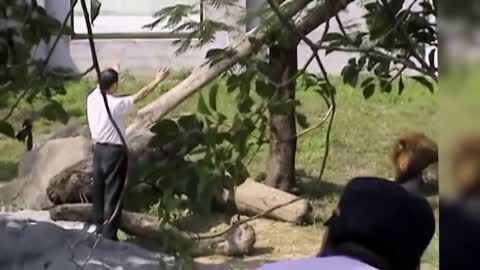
{"points": [[281, 163]]}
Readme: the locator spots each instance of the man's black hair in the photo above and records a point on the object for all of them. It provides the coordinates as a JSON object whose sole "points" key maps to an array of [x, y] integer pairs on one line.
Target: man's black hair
{"points": [[108, 78]]}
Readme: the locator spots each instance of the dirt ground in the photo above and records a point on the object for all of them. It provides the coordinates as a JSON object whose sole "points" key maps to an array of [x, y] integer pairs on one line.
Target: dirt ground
{"points": [[275, 241]]}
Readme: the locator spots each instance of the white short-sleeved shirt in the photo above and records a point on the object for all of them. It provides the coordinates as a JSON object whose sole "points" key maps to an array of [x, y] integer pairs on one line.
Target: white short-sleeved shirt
{"points": [[101, 129]]}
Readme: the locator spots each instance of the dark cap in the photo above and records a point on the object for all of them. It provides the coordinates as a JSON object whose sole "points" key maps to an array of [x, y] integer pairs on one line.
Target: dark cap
{"points": [[383, 217]]}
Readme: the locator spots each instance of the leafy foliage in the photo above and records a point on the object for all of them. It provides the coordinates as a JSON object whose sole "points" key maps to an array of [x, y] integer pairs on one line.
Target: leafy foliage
{"points": [[394, 41], [7, 129], [177, 19], [23, 74], [220, 145]]}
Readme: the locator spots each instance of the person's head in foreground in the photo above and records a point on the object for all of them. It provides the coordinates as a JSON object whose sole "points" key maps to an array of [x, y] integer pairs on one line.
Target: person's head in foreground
{"points": [[377, 225]]}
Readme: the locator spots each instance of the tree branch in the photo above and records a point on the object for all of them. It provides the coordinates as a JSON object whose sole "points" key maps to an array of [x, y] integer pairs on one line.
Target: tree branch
{"points": [[73, 75]]}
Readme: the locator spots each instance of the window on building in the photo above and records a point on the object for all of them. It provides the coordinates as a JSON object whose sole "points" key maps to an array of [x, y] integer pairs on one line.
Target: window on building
{"points": [[126, 17]]}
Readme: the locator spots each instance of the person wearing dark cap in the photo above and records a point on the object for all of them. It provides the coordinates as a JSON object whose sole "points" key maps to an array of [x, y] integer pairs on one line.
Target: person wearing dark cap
{"points": [[378, 225]]}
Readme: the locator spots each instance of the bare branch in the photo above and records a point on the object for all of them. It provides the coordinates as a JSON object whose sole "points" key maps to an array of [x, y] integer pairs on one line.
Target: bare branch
{"points": [[283, 84], [6, 85], [73, 76], [15, 105]]}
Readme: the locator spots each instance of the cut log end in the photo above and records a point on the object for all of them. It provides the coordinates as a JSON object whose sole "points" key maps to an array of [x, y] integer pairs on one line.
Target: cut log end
{"points": [[238, 241]]}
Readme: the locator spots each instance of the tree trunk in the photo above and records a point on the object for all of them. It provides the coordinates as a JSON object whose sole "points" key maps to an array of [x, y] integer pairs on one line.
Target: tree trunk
{"points": [[281, 163]]}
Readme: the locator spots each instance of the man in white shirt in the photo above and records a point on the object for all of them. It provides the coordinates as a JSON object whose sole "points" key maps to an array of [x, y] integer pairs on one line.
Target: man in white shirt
{"points": [[110, 157]]}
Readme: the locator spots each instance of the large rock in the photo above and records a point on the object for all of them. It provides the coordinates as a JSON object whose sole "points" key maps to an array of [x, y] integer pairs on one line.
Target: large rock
{"points": [[31, 241], [28, 191]]}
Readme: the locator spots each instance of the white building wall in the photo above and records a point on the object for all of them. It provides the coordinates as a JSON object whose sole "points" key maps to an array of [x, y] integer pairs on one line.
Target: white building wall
{"points": [[141, 56]]}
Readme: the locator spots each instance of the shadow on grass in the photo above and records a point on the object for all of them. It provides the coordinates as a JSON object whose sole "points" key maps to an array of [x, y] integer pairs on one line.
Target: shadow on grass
{"points": [[313, 188], [8, 170]]}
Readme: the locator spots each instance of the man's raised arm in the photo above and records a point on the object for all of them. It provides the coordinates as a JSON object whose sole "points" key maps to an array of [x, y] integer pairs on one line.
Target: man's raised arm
{"points": [[161, 74]]}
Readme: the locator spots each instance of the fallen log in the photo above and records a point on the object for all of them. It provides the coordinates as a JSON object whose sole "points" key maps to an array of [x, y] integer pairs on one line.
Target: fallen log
{"points": [[238, 241], [250, 197], [253, 198]]}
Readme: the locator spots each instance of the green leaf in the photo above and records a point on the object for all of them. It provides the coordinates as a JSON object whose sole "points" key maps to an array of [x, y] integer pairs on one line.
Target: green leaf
{"points": [[214, 52], [309, 80], [367, 82], [212, 97], [385, 84], [165, 127], [7, 129], [334, 45], [95, 9], [424, 81], [368, 91], [350, 75], [362, 61], [246, 82], [166, 130], [233, 82], [216, 55], [23, 134], [54, 111], [352, 61], [267, 69], [189, 122], [395, 5], [265, 90], [302, 120], [202, 106], [401, 86], [431, 57], [245, 105], [333, 37]]}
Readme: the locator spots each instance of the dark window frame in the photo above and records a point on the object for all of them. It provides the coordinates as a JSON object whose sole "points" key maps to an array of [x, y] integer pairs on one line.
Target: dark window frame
{"points": [[130, 35]]}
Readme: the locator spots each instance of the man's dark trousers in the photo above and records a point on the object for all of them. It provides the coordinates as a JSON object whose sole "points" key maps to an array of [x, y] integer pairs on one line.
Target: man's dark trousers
{"points": [[110, 172]]}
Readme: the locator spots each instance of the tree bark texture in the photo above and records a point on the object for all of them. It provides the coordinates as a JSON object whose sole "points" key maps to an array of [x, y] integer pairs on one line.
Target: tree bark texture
{"points": [[281, 162]]}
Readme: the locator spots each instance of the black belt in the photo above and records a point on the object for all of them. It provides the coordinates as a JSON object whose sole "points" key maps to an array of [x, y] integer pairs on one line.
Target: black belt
{"points": [[109, 144]]}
